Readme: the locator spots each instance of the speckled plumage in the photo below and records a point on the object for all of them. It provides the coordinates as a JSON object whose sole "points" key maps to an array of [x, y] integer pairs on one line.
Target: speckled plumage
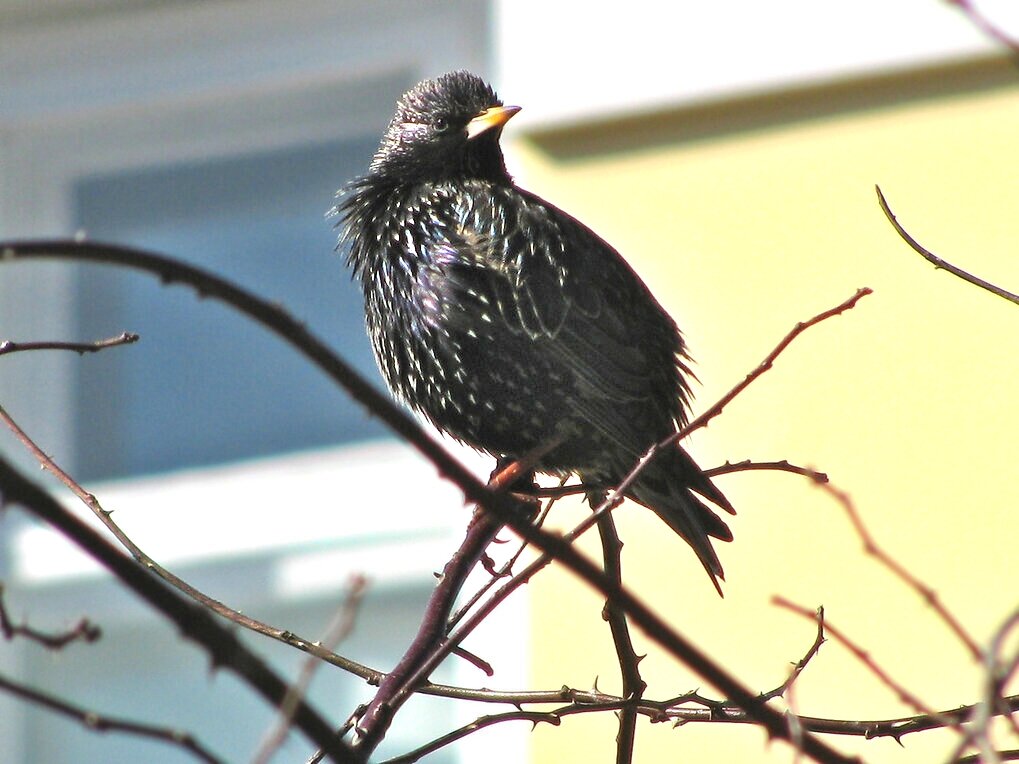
{"points": [[507, 322]]}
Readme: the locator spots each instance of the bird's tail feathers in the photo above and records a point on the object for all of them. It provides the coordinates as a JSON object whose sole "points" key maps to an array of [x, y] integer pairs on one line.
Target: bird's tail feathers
{"points": [[667, 486]]}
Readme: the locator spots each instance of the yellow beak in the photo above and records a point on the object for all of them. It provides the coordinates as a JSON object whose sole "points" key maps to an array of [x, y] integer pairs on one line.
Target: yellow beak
{"points": [[497, 116]]}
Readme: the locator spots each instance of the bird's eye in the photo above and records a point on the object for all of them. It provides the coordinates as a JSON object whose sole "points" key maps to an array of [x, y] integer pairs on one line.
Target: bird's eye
{"points": [[442, 124]]}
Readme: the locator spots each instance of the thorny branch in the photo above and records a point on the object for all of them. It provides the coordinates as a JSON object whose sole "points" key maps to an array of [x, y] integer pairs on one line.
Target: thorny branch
{"points": [[632, 683], [861, 655], [692, 707]]}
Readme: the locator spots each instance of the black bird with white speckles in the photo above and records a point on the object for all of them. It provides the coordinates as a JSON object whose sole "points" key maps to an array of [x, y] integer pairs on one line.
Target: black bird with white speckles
{"points": [[507, 322]]}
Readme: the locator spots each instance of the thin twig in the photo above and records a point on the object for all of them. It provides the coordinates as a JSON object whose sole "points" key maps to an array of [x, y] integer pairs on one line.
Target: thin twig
{"points": [[125, 338], [97, 722], [801, 664], [702, 420], [769, 360], [505, 570], [865, 658], [925, 592], [780, 466], [783, 465], [83, 631], [336, 632], [874, 728], [936, 261], [553, 718]]}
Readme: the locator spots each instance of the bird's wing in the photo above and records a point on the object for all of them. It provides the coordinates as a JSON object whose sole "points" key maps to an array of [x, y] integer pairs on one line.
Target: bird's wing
{"points": [[552, 280]]}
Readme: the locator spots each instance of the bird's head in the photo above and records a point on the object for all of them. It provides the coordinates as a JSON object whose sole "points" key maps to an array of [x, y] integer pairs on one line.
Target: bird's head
{"points": [[445, 128]]}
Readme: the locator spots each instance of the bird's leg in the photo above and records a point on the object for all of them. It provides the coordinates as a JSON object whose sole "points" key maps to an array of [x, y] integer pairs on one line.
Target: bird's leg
{"points": [[513, 475], [517, 474]]}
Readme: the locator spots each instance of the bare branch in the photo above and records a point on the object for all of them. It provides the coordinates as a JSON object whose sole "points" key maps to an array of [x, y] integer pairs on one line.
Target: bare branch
{"points": [[534, 717], [874, 728], [194, 622], [100, 723], [503, 572], [83, 631], [864, 657], [923, 590], [633, 684], [125, 338], [336, 632], [421, 657], [563, 490], [801, 664], [936, 261], [780, 466], [703, 419]]}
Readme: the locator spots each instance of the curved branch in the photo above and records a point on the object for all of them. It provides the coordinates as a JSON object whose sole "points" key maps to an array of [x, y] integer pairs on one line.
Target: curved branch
{"points": [[936, 261]]}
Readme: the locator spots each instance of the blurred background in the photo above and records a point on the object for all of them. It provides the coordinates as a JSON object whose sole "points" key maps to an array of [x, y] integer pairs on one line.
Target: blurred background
{"points": [[729, 150]]}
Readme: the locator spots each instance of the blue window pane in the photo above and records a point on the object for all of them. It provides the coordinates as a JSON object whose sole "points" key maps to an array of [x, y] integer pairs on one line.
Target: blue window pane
{"points": [[204, 385]]}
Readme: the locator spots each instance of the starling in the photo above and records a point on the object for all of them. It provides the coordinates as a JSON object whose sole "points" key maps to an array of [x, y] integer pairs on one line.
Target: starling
{"points": [[508, 323]]}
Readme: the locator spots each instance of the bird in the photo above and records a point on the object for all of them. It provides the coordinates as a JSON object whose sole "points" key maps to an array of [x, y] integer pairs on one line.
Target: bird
{"points": [[510, 325]]}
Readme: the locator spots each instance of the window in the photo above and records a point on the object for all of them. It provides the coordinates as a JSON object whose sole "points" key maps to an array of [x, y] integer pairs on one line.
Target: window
{"points": [[218, 136], [206, 385]]}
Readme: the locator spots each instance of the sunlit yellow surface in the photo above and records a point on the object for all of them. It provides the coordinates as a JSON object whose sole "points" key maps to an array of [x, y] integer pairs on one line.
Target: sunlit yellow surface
{"points": [[910, 403]]}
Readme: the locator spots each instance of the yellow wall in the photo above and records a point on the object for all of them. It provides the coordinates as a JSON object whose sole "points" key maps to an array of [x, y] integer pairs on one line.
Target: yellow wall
{"points": [[909, 402]]}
